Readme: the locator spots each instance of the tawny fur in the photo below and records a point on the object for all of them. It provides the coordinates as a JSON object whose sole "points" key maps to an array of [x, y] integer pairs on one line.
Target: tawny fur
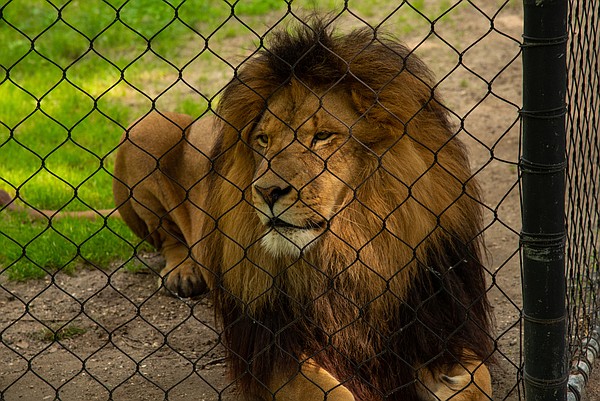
{"points": [[378, 292]]}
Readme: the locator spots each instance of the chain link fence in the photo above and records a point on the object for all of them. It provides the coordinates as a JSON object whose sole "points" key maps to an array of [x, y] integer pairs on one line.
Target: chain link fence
{"points": [[82, 314], [582, 204]]}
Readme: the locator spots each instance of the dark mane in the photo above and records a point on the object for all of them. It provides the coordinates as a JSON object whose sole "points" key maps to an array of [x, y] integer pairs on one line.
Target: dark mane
{"points": [[315, 55], [307, 54]]}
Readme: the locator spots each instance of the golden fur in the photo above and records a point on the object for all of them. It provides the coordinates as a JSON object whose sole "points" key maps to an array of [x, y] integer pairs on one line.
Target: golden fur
{"points": [[331, 211]]}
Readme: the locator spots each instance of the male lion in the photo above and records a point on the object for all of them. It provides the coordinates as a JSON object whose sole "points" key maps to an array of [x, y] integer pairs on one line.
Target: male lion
{"points": [[330, 209]]}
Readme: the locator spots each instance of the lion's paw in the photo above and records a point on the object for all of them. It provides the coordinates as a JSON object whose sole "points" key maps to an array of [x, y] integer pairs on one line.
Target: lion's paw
{"points": [[183, 281]]}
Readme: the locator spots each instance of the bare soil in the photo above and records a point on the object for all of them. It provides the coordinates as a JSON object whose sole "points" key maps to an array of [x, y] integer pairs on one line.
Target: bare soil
{"points": [[125, 340]]}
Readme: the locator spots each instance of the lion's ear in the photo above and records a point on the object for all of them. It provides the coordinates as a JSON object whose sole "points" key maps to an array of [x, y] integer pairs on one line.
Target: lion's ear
{"points": [[365, 102], [385, 127], [405, 104], [397, 101]]}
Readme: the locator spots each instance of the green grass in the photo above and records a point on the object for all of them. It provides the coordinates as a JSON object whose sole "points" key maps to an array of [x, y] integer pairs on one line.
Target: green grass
{"points": [[74, 74], [31, 249], [56, 333]]}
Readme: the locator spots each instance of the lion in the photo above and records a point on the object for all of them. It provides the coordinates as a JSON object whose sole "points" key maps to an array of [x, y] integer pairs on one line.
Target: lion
{"points": [[330, 210]]}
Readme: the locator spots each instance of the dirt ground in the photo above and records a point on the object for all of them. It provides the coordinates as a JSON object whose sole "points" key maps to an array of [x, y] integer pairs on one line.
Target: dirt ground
{"points": [[124, 340]]}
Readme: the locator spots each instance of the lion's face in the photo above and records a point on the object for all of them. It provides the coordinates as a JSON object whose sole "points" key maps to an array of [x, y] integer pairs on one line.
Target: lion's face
{"points": [[307, 160]]}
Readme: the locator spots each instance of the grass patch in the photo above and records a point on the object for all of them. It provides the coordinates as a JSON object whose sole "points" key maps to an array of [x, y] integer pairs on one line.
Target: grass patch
{"points": [[54, 334], [32, 249]]}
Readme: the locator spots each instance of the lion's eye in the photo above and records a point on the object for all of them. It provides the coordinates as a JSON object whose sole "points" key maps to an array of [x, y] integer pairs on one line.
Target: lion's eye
{"points": [[262, 140], [321, 136]]}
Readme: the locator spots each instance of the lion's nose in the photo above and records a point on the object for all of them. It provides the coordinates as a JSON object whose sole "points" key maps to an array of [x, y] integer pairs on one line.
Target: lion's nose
{"points": [[272, 194]]}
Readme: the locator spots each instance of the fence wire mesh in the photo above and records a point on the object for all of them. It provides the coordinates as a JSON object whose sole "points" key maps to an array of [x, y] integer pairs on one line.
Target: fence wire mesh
{"points": [[583, 209], [82, 316]]}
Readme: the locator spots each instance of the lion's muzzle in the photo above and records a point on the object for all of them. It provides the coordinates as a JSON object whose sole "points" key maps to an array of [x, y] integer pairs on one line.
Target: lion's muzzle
{"points": [[291, 225]]}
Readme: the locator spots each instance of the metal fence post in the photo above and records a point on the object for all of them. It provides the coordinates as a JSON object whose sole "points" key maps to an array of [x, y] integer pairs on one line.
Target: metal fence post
{"points": [[543, 166]]}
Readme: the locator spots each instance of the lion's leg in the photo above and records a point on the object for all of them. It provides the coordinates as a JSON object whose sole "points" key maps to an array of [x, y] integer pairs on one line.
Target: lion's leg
{"points": [[181, 274], [467, 381], [311, 383], [152, 200]]}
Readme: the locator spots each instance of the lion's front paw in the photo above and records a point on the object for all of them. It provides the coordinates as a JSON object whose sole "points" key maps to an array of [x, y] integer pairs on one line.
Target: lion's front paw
{"points": [[468, 380], [184, 281]]}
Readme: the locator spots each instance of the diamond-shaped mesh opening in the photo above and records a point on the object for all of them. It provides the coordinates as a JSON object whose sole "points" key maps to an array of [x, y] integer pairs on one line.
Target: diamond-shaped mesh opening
{"points": [[583, 148], [29, 382], [110, 366], [95, 306]]}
